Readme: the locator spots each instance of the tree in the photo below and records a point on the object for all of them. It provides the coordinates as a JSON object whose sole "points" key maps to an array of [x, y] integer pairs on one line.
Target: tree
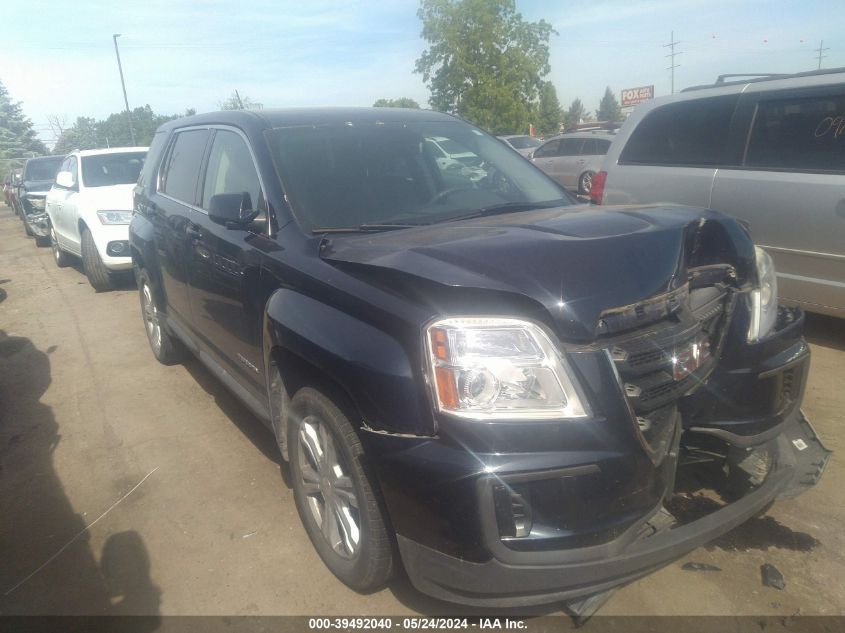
{"points": [[609, 108], [573, 114], [484, 62], [82, 134], [113, 131], [401, 102], [549, 112], [18, 139], [238, 102]]}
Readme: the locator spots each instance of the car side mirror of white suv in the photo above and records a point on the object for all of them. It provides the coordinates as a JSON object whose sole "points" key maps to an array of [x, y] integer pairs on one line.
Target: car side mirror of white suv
{"points": [[65, 179]]}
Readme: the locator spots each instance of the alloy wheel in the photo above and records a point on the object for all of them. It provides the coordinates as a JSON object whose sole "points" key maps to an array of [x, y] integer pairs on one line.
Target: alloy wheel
{"points": [[151, 319], [328, 488]]}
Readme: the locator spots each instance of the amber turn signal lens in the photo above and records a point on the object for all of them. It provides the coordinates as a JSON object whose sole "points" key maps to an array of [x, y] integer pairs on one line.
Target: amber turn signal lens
{"points": [[446, 390]]}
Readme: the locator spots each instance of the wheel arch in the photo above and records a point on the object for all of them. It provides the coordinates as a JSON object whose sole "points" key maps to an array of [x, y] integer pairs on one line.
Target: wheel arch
{"points": [[366, 371]]}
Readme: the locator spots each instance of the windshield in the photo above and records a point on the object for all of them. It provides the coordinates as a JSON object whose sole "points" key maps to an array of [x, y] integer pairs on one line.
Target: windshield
{"points": [[44, 169], [112, 169], [387, 173], [523, 142]]}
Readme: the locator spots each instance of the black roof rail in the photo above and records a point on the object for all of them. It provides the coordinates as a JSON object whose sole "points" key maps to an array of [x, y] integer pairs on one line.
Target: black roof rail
{"points": [[733, 79]]}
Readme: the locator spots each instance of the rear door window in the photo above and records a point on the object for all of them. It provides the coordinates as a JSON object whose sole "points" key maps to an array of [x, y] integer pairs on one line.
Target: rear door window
{"points": [[687, 133], [803, 134], [571, 146], [180, 174], [589, 147]]}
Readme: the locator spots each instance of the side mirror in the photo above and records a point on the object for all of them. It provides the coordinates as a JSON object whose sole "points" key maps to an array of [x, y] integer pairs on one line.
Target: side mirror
{"points": [[232, 210], [65, 179]]}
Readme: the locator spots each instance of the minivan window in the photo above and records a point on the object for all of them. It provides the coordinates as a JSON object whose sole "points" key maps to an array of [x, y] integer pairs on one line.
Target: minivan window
{"points": [[340, 176], [230, 169], [179, 178], [799, 133], [687, 133], [105, 170]]}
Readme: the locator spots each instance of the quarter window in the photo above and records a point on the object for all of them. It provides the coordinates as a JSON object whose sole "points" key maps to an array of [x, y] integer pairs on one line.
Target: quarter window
{"points": [[688, 133], [179, 178], [230, 169], [803, 134]]}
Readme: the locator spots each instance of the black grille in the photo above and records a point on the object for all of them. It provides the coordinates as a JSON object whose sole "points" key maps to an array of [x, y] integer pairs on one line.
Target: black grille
{"points": [[669, 359]]}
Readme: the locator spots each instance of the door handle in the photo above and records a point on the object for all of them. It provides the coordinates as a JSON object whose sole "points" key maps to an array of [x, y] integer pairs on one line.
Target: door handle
{"points": [[193, 232]]}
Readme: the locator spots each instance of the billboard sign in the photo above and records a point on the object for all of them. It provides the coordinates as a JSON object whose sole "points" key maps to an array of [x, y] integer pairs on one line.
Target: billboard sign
{"points": [[633, 96]]}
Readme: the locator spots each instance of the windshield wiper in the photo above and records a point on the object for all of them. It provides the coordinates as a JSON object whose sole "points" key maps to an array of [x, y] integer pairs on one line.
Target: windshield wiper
{"points": [[506, 207], [363, 228]]}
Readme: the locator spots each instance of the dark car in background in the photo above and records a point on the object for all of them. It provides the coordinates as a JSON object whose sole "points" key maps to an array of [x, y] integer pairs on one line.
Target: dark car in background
{"points": [[474, 377], [38, 176]]}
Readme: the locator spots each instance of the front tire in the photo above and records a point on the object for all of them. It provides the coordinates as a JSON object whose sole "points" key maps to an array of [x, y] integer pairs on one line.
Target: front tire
{"points": [[334, 493], [167, 349], [98, 275], [61, 258]]}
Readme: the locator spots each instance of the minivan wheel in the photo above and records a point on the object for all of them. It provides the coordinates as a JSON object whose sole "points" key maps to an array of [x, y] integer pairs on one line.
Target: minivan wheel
{"points": [[585, 182], [167, 349], [98, 275], [334, 496], [61, 258]]}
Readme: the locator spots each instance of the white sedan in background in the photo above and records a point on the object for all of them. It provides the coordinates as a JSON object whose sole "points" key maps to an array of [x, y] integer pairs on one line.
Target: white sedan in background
{"points": [[90, 206]]}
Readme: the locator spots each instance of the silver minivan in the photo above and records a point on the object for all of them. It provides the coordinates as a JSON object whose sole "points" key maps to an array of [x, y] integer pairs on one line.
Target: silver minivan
{"points": [[573, 158], [769, 151]]}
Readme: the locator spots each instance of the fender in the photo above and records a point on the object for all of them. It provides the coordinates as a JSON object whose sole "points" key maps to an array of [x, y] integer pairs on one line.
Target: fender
{"points": [[373, 368]]}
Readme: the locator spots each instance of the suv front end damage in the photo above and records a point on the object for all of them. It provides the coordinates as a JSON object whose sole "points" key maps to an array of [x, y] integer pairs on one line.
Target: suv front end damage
{"points": [[509, 510]]}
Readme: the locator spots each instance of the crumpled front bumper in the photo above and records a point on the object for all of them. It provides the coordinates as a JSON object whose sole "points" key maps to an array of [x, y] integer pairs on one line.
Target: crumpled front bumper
{"points": [[39, 223], [798, 460]]}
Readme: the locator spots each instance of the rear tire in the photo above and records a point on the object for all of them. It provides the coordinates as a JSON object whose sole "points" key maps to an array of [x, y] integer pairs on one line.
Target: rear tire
{"points": [[98, 275], [335, 493], [585, 182], [167, 349], [61, 258]]}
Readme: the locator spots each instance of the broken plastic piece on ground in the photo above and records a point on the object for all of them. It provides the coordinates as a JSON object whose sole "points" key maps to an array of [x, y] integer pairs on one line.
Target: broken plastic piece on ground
{"points": [[772, 577], [582, 609], [691, 566]]}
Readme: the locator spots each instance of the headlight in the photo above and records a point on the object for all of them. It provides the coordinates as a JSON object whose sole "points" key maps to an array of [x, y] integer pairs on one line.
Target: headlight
{"points": [[499, 368], [36, 203], [764, 298], [115, 217]]}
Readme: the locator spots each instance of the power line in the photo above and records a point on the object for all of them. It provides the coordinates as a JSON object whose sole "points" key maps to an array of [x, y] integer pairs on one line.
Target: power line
{"points": [[672, 53], [821, 49]]}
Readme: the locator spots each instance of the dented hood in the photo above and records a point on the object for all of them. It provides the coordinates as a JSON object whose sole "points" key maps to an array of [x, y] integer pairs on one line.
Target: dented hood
{"points": [[575, 261]]}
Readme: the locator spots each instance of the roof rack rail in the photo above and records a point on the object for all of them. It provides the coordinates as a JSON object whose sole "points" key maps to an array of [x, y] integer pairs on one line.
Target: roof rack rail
{"points": [[733, 79]]}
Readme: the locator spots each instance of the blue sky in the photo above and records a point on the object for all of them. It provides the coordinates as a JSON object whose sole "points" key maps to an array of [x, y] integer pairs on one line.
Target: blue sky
{"points": [[57, 58]]}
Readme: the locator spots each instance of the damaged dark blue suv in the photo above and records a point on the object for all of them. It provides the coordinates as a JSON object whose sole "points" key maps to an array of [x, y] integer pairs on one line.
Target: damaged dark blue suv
{"points": [[470, 374]]}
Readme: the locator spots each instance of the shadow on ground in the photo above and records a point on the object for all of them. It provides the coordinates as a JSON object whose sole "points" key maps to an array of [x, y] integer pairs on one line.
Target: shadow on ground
{"points": [[48, 565], [826, 331]]}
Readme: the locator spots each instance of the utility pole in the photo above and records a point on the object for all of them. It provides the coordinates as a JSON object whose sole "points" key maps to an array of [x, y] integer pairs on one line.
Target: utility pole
{"points": [[672, 65], [821, 49], [123, 85]]}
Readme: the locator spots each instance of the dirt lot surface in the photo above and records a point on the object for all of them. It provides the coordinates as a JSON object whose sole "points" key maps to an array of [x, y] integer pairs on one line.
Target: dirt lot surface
{"points": [[130, 487]]}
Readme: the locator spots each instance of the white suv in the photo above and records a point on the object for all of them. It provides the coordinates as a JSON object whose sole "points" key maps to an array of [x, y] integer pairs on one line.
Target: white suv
{"points": [[90, 206]]}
